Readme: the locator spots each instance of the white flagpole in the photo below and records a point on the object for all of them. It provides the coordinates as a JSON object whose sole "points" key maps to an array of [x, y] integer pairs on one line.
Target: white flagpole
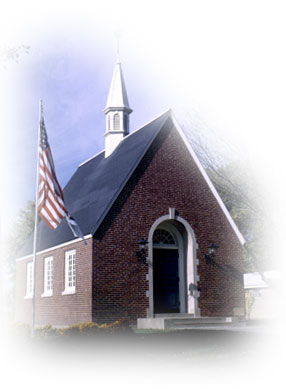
{"points": [[36, 224]]}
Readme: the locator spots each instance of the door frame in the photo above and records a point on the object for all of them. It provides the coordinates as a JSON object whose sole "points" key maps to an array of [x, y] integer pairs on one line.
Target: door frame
{"points": [[188, 262]]}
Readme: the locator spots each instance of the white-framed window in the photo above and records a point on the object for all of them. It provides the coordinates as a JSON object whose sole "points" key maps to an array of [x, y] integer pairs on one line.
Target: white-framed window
{"points": [[30, 280], [70, 257], [48, 276]]}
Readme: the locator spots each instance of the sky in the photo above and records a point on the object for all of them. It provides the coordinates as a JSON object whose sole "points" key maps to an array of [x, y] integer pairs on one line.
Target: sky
{"points": [[220, 65]]}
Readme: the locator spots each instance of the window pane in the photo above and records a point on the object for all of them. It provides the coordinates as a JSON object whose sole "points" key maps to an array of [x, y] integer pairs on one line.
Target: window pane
{"points": [[70, 270]]}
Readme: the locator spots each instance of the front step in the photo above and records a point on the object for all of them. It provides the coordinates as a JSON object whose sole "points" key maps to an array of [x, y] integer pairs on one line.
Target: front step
{"points": [[186, 322], [178, 323]]}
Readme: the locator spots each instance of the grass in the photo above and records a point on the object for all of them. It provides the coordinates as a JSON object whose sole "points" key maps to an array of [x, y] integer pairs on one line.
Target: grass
{"points": [[118, 342]]}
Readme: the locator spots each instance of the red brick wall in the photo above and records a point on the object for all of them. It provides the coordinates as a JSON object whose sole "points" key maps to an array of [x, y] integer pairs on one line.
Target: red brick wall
{"points": [[57, 309], [166, 177], [113, 285]]}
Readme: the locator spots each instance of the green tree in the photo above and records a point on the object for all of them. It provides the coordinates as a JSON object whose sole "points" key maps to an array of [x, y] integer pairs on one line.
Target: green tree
{"points": [[241, 193], [20, 230]]}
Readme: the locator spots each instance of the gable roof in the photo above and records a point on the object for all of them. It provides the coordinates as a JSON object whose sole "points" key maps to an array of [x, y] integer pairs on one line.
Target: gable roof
{"points": [[97, 183]]}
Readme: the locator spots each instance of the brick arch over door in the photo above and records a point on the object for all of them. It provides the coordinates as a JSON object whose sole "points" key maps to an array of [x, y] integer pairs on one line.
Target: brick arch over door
{"points": [[187, 251]]}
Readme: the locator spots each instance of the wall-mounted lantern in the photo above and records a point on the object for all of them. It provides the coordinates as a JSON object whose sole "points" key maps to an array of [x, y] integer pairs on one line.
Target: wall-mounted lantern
{"points": [[141, 253], [209, 257]]}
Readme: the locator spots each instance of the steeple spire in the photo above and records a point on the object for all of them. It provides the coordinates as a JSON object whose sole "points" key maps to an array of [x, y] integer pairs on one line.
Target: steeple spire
{"points": [[117, 97], [117, 111]]}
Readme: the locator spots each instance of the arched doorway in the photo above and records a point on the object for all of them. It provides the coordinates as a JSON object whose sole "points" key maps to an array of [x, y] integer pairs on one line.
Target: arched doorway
{"points": [[173, 270]]}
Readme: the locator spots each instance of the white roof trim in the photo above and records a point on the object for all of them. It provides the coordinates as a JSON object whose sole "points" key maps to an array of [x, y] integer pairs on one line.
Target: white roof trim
{"points": [[256, 286], [55, 247], [206, 177]]}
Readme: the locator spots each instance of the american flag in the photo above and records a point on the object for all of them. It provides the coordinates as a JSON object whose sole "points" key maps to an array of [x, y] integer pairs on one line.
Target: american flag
{"points": [[51, 207]]}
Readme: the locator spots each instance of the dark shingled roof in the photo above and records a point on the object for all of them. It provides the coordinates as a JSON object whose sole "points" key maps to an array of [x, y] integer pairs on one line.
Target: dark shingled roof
{"points": [[95, 186]]}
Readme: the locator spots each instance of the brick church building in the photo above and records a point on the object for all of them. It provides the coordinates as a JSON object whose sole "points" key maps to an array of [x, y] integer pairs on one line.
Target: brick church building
{"points": [[147, 186]]}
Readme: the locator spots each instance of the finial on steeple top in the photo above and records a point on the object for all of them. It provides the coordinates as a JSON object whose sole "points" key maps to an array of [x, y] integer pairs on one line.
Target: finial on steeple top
{"points": [[117, 35], [117, 53]]}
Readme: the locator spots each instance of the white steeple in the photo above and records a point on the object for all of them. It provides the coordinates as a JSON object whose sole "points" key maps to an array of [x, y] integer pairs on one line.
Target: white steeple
{"points": [[117, 111]]}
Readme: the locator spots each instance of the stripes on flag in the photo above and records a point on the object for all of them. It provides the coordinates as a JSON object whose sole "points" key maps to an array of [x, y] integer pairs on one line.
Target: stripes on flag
{"points": [[51, 206]]}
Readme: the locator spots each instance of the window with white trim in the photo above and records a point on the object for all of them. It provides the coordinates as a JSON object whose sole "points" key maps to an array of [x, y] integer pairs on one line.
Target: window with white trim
{"points": [[48, 276], [30, 280], [70, 271]]}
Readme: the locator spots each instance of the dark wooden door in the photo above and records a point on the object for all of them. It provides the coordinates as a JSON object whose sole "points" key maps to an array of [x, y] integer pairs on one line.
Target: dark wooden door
{"points": [[166, 281]]}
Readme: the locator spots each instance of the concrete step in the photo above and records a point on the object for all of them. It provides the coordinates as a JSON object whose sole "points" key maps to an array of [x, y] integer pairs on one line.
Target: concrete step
{"points": [[185, 322], [199, 322]]}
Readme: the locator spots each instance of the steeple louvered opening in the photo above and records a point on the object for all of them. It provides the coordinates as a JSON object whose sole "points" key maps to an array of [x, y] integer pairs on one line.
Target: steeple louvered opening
{"points": [[116, 122]]}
